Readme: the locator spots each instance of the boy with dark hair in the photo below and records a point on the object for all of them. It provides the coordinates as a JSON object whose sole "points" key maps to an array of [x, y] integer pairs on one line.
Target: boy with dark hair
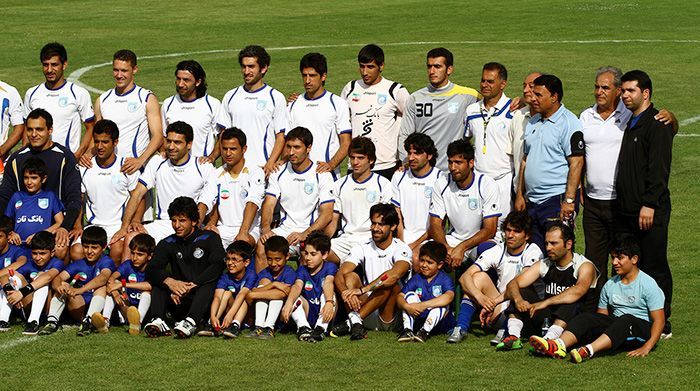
{"points": [[30, 283], [11, 256], [273, 286], [312, 298], [426, 298], [84, 295], [34, 210]]}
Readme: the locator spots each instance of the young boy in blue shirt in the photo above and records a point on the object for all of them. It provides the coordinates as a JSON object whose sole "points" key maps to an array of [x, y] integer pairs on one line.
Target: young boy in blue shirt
{"points": [[30, 287], [127, 288], [311, 300], [81, 284], [11, 256], [36, 209], [630, 314], [273, 286], [231, 291], [426, 298]]}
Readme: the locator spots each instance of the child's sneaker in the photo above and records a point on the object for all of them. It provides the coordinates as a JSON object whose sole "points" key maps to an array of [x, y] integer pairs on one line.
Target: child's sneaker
{"points": [[233, 331], [406, 336], [421, 336], [49, 328], [84, 328], [207, 331], [317, 335], [31, 328], [134, 318], [304, 333], [100, 323], [255, 333]]}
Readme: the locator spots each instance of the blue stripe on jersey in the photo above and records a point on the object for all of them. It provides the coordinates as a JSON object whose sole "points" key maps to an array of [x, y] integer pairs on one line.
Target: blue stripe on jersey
{"points": [[206, 99], [5, 106], [68, 135], [108, 94], [265, 143], [378, 182], [479, 186], [218, 193], [403, 176], [340, 190], [126, 93], [91, 119], [271, 97], [206, 143], [507, 105], [32, 94], [328, 147], [73, 92], [333, 103], [196, 165], [283, 171], [292, 105], [169, 104], [474, 116], [449, 179], [232, 95], [136, 137]]}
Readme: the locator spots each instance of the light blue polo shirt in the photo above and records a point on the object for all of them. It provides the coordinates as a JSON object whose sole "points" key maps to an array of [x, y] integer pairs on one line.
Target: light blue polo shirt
{"points": [[547, 143], [638, 298]]}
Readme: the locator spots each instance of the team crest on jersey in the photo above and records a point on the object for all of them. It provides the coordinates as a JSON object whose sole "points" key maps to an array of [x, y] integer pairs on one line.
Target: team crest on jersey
{"points": [[7, 262], [419, 292], [33, 275], [381, 99], [198, 252], [452, 107], [225, 194], [62, 101], [132, 278], [43, 203], [308, 187], [131, 107], [18, 204], [308, 286], [115, 180], [261, 105], [428, 191], [178, 256], [232, 288], [473, 203], [372, 196], [244, 194], [437, 290]]}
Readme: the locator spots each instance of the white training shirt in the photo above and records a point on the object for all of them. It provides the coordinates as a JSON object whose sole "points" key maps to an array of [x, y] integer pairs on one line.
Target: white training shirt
{"points": [[508, 266], [260, 114], [603, 139], [128, 111], [107, 191], [374, 261], [11, 110], [300, 194], [326, 117], [517, 129], [465, 208], [199, 113], [187, 179], [492, 138], [69, 105], [353, 201], [375, 112], [413, 195], [231, 194]]}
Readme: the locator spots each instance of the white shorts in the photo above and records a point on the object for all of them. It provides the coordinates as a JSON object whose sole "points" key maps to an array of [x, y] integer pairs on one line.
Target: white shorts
{"points": [[110, 229], [454, 241], [342, 245], [159, 229], [285, 232], [228, 233], [505, 195]]}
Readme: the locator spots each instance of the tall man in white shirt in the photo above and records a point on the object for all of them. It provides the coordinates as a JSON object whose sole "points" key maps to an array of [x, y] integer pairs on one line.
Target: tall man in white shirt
{"points": [[193, 105], [257, 109], [376, 106], [325, 114], [69, 104], [11, 114]]}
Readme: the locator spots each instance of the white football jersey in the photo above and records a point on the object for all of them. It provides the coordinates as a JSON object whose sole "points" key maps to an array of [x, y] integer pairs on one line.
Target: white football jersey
{"points": [[11, 110], [300, 194], [231, 194], [260, 114], [375, 112], [413, 195], [353, 200], [465, 208], [507, 265], [69, 105], [106, 192], [187, 179], [200, 114], [326, 117], [374, 261], [492, 138], [128, 111]]}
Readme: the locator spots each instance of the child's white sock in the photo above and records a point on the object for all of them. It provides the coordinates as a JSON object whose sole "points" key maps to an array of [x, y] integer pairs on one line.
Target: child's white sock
{"points": [[320, 322], [299, 316], [5, 308], [273, 312], [408, 320], [260, 312], [434, 317], [144, 304], [96, 305], [56, 309], [108, 308], [354, 318], [38, 301]]}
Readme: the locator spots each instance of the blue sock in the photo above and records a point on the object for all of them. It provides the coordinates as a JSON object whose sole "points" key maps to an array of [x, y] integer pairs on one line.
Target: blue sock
{"points": [[466, 310]]}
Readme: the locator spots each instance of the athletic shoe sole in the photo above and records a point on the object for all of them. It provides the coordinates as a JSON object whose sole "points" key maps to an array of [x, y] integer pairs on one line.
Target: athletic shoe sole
{"points": [[134, 318], [98, 321]]}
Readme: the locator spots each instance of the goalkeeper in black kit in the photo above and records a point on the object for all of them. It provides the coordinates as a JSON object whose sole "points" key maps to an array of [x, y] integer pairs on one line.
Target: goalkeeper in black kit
{"points": [[183, 272]]}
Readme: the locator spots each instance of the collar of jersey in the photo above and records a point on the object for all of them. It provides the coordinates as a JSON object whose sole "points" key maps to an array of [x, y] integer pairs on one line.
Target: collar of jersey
{"points": [[316, 98], [189, 101], [365, 181], [189, 156], [126, 93], [56, 89], [470, 183], [106, 167], [301, 172], [253, 92], [424, 176]]}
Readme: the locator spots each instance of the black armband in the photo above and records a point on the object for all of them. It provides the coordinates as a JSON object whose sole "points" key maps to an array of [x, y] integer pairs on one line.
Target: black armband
{"points": [[8, 288], [26, 290], [578, 145]]}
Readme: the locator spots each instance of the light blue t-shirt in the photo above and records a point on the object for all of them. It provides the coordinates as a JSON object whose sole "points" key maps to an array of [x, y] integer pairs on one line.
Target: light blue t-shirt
{"points": [[547, 144], [638, 298]]}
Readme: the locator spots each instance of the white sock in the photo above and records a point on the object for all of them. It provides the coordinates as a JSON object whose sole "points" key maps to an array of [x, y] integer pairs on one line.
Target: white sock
{"points": [[56, 309], [589, 347], [299, 316], [38, 300], [5, 308], [354, 318], [260, 312], [410, 298], [515, 326], [434, 317], [144, 304], [273, 312], [319, 321], [108, 308], [96, 305], [554, 332]]}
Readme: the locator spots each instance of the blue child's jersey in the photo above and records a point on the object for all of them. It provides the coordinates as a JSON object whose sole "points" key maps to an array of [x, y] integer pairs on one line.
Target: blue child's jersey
{"points": [[30, 269], [287, 276], [13, 252], [429, 290], [130, 274], [32, 212], [313, 284], [228, 282], [83, 272]]}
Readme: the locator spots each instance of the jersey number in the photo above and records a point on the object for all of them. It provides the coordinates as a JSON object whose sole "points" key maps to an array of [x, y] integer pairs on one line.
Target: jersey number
{"points": [[424, 109]]}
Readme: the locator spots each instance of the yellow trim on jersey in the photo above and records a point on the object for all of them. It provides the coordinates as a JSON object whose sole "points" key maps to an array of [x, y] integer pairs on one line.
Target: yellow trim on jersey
{"points": [[2, 89], [459, 90]]}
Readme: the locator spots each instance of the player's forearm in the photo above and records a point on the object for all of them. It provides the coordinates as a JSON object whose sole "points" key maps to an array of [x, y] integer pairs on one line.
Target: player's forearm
{"points": [[437, 232], [277, 148], [324, 218], [266, 215], [573, 179], [271, 294], [443, 300], [248, 216], [520, 188], [129, 211], [569, 296], [216, 151], [417, 242], [513, 291], [87, 139], [328, 288], [294, 293], [141, 286], [12, 140], [342, 151]]}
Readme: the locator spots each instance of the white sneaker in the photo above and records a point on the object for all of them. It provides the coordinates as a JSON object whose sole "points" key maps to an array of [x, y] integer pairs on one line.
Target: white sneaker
{"points": [[498, 338], [185, 328], [456, 336], [157, 328]]}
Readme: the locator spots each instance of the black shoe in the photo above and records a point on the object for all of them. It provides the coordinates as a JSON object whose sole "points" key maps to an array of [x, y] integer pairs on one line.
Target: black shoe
{"points": [[84, 328], [207, 331], [233, 331], [667, 333], [358, 332], [317, 334], [304, 333], [421, 336], [31, 328], [406, 336], [4, 326], [49, 328], [340, 330]]}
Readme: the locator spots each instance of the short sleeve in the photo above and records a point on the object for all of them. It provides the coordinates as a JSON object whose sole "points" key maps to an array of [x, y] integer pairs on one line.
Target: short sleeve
{"points": [[85, 105], [572, 139], [387, 190], [325, 184], [273, 185], [279, 116], [356, 256], [210, 192], [290, 276], [410, 285], [653, 294], [403, 253], [335, 192], [490, 198], [489, 259], [16, 110], [437, 202], [54, 264], [132, 180], [402, 97], [223, 115], [256, 187], [123, 269], [56, 204], [148, 178], [448, 283], [222, 283], [332, 269], [532, 254], [249, 280], [395, 192], [342, 115], [10, 209], [544, 267], [106, 263], [604, 300]]}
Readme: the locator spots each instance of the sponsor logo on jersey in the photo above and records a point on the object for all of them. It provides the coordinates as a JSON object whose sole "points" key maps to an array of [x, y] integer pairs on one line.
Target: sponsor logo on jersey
{"points": [[132, 278], [198, 252], [381, 99], [18, 204], [453, 107], [437, 290], [473, 203], [43, 203], [225, 194], [261, 105], [554, 289], [131, 107], [62, 101], [308, 286], [308, 187], [419, 292], [372, 196], [33, 219]]}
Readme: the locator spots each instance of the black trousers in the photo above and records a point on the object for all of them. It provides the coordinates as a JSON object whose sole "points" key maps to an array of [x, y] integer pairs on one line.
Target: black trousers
{"points": [[195, 305], [533, 325], [599, 232], [624, 330], [653, 244]]}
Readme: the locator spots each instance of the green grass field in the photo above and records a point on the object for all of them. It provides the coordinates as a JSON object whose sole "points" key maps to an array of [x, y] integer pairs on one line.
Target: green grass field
{"points": [[568, 38]]}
